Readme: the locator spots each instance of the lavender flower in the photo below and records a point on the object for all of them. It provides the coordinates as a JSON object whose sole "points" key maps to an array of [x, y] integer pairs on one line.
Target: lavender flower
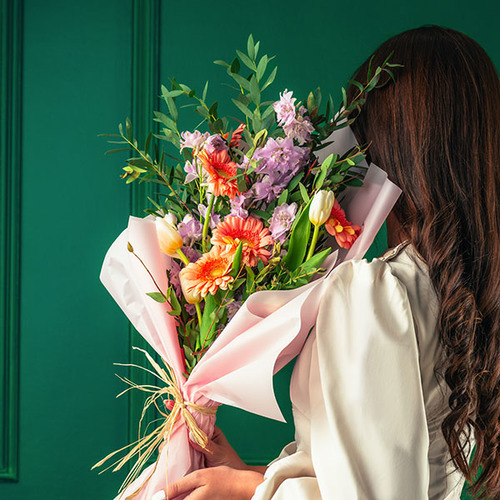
{"points": [[190, 230], [237, 206], [191, 253], [232, 309], [191, 171], [214, 218], [193, 140], [281, 221], [285, 107], [215, 143], [299, 128]]}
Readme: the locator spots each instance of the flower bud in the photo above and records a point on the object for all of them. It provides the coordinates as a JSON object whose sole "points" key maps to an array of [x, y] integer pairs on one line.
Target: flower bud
{"points": [[321, 206], [171, 218], [168, 237], [190, 295]]}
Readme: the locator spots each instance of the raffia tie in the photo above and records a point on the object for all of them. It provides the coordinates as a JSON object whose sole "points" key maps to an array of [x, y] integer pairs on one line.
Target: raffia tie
{"points": [[146, 445]]}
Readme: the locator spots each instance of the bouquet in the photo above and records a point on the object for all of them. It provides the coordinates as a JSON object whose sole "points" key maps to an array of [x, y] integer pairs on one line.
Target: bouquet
{"points": [[224, 275]]}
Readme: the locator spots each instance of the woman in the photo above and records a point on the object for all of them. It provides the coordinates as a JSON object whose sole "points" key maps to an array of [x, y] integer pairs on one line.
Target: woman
{"points": [[400, 377]]}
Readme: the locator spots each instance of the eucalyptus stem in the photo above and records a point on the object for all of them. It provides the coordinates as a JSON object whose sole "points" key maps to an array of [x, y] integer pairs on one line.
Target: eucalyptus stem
{"points": [[313, 242], [207, 221]]}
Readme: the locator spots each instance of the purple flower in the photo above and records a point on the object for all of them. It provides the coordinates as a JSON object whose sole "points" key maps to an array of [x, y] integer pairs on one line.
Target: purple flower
{"points": [[237, 206], [191, 253], [215, 143], [281, 220], [193, 140], [232, 309], [285, 107], [173, 277], [266, 190], [191, 171], [190, 230], [279, 155], [214, 218], [299, 128]]}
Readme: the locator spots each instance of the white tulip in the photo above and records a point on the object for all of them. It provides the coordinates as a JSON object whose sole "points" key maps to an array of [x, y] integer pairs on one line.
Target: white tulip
{"points": [[321, 207], [168, 237]]}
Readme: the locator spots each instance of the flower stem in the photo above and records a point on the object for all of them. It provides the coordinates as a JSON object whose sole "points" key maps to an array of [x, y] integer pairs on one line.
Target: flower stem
{"points": [[182, 256], [207, 221], [313, 243], [198, 312]]}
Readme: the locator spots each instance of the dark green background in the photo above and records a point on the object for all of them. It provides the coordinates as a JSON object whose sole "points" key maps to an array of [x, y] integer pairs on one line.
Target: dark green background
{"points": [[77, 83]]}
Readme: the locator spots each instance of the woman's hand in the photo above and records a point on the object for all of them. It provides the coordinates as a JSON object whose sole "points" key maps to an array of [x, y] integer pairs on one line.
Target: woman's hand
{"points": [[220, 452], [216, 483]]}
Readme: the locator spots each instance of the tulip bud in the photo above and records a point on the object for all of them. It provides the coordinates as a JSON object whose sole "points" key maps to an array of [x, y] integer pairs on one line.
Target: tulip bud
{"points": [[190, 296], [321, 207], [170, 218], [168, 237]]}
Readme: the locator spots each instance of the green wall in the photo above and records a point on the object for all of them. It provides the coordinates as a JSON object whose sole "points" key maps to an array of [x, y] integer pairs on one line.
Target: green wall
{"points": [[77, 83]]}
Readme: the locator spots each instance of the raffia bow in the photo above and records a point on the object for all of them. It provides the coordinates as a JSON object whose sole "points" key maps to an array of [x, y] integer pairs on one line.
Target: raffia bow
{"points": [[146, 445]]}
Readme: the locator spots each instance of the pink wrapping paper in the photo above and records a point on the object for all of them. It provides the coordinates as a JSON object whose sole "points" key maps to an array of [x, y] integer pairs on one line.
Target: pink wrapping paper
{"points": [[236, 370]]}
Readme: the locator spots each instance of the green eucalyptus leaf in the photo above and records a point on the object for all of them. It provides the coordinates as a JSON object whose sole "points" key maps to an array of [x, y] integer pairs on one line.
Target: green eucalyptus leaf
{"points": [[157, 296], [235, 66], [262, 66], [303, 192], [242, 108], [270, 78], [251, 47], [283, 197], [246, 60]]}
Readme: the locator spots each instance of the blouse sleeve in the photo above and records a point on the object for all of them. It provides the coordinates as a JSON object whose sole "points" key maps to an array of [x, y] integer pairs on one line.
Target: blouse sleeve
{"points": [[367, 434]]}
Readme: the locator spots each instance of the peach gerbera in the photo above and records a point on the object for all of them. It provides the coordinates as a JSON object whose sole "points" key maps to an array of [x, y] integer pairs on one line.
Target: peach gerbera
{"points": [[209, 273], [251, 232], [221, 172], [337, 225]]}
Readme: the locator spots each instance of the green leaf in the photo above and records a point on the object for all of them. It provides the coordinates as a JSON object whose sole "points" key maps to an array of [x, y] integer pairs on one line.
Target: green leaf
{"points": [[295, 181], [235, 268], [271, 78], [246, 60], [254, 90], [303, 192], [208, 324], [242, 108], [251, 47], [157, 296], [262, 66], [213, 109], [235, 66], [119, 150], [172, 108], [128, 128], [257, 45], [166, 120], [222, 63], [299, 240], [316, 260], [283, 197], [250, 279], [205, 90]]}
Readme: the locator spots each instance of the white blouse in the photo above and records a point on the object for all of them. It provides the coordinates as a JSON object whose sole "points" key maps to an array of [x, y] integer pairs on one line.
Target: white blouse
{"points": [[366, 403]]}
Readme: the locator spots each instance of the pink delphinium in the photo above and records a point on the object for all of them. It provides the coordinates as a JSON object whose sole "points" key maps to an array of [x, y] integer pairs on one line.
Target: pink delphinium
{"points": [[300, 128], [285, 107], [282, 220], [193, 140], [190, 230]]}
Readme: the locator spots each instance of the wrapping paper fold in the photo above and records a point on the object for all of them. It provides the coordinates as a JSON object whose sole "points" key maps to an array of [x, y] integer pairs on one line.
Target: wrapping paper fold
{"points": [[266, 333]]}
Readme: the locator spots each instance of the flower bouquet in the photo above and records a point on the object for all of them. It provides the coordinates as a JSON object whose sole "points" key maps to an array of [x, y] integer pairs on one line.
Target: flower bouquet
{"points": [[224, 275]]}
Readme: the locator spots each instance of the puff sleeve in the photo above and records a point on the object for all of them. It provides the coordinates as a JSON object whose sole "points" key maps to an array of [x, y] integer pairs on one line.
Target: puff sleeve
{"points": [[359, 411]]}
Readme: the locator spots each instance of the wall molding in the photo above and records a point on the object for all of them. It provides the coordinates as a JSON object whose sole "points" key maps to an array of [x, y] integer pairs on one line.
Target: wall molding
{"points": [[10, 236], [145, 92]]}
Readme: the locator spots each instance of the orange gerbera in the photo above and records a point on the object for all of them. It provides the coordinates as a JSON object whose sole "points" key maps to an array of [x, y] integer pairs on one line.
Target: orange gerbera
{"points": [[236, 137], [251, 232], [221, 173], [337, 225], [209, 273]]}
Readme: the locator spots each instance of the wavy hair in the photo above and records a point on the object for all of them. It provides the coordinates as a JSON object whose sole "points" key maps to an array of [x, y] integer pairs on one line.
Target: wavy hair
{"points": [[435, 130]]}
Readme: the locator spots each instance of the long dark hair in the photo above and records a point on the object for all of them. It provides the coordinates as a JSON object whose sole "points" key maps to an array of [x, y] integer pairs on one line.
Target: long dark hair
{"points": [[436, 131]]}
